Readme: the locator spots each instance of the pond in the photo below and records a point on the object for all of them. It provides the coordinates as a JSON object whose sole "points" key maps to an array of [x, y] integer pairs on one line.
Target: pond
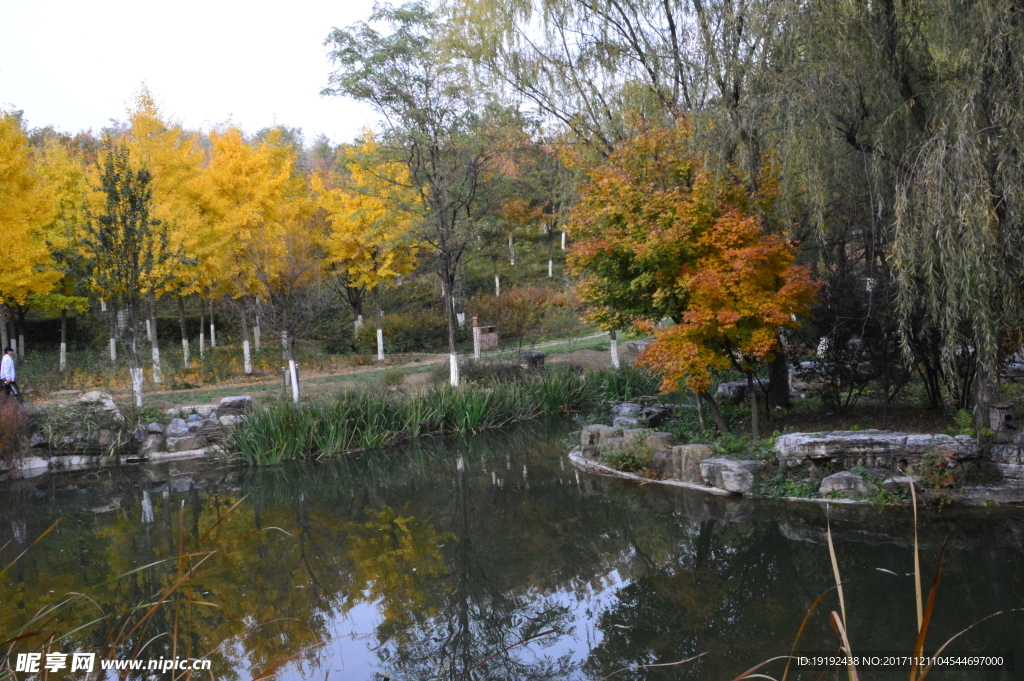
{"points": [[490, 557]]}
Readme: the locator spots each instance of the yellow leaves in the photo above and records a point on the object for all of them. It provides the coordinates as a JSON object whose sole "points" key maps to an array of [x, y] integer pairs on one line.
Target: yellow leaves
{"points": [[372, 219], [26, 206]]}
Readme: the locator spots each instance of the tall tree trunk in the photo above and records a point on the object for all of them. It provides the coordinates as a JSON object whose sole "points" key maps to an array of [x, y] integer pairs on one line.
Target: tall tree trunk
{"points": [[4, 338], [293, 373], [246, 356], [715, 413], [157, 371], [752, 391], [447, 283], [511, 251], [986, 386], [22, 313], [113, 334], [63, 338], [186, 361], [551, 251], [563, 239], [202, 330], [778, 379], [213, 327], [614, 345], [380, 325]]}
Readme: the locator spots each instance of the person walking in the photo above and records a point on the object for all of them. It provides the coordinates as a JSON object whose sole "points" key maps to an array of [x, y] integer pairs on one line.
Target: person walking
{"points": [[8, 383]]}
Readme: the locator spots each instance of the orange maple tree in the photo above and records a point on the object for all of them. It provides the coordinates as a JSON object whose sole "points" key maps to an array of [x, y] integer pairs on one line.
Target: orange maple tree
{"points": [[657, 236]]}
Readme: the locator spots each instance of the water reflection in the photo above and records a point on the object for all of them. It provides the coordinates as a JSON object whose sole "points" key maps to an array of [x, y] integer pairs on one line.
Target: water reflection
{"points": [[439, 560]]}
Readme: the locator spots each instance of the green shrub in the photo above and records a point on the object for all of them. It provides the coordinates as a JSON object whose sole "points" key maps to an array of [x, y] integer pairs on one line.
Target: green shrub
{"points": [[425, 331], [633, 458]]}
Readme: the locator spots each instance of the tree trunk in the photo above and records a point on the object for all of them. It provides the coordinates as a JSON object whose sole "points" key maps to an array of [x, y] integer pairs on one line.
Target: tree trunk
{"points": [[986, 386], [551, 252], [186, 361], [563, 239], [213, 327], [63, 338], [292, 371], [202, 331], [511, 251], [22, 312], [778, 380], [614, 348], [256, 335], [755, 430], [380, 325], [113, 335], [447, 283], [497, 285], [4, 339], [715, 413], [157, 372], [246, 357]]}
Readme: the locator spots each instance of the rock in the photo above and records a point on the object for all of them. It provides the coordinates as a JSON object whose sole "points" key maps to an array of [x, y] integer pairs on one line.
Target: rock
{"points": [[592, 435], [879, 473], [210, 428], [153, 443], [625, 422], [105, 439], [186, 442], [660, 441], [846, 484], [37, 441], [214, 416], [730, 475], [686, 460], [871, 448], [637, 346], [195, 418], [531, 359], [896, 484], [628, 409], [202, 410], [655, 415], [234, 406], [155, 428], [613, 443], [101, 402], [732, 393], [634, 436], [177, 428], [229, 420]]}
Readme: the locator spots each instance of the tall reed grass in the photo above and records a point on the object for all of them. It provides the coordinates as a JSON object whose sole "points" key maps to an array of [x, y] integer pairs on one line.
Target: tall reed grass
{"points": [[365, 420]]}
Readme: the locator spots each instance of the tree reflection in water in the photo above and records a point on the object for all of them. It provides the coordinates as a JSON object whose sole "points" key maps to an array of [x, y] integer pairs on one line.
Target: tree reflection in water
{"points": [[407, 565]]}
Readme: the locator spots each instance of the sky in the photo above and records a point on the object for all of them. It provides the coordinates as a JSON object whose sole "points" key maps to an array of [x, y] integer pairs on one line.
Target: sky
{"points": [[77, 65]]}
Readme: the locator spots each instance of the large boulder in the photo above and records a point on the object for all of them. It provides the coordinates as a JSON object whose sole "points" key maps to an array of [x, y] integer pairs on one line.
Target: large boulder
{"points": [[637, 346], [186, 442], [730, 475], [846, 484], [177, 428], [656, 414], [682, 462], [871, 448], [593, 436], [629, 409], [732, 392], [625, 422], [660, 442], [101, 402], [234, 406]]}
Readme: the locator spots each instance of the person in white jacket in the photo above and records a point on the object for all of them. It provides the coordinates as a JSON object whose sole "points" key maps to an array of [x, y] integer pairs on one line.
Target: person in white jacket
{"points": [[7, 374]]}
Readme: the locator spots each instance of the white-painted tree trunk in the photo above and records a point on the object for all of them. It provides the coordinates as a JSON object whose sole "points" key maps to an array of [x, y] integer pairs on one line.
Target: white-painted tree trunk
{"points": [[295, 380], [157, 374], [284, 343], [453, 368], [497, 286], [359, 322], [103, 305], [136, 375], [113, 349], [551, 268], [511, 251], [202, 344], [615, 350], [476, 342], [63, 356], [563, 239], [380, 345], [149, 331], [185, 354], [246, 357], [460, 317], [256, 336], [213, 334]]}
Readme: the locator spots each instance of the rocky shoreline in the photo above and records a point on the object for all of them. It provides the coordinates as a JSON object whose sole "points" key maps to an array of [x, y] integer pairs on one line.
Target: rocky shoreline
{"points": [[883, 463]]}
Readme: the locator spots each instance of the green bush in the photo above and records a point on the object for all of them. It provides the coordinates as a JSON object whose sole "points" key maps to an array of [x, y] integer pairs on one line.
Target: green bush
{"points": [[425, 331], [633, 458]]}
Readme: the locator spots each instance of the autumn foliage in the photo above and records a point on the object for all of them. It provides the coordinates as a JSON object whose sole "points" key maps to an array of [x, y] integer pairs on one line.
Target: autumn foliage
{"points": [[657, 236]]}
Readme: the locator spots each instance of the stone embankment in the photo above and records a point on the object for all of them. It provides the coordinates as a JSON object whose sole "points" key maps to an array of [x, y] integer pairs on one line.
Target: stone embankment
{"points": [[889, 461], [188, 433]]}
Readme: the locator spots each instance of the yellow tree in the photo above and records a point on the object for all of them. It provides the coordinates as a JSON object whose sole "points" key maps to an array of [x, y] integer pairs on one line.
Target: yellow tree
{"points": [[371, 224], [63, 170], [26, 205], [174, 159], [255, 210]]}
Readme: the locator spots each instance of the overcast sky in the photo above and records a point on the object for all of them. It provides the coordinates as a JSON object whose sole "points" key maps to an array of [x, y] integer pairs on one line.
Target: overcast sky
{"points": [[75, 65]]}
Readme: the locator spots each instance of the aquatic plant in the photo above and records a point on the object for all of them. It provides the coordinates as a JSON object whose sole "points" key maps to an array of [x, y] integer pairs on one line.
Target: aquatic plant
{"points": [[374, 418]]}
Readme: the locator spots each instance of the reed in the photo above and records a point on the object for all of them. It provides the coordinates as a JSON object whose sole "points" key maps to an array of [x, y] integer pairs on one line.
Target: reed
{"points": [[375, 418]]}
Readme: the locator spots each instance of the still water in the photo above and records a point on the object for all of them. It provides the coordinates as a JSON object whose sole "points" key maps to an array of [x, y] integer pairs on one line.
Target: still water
{"points": [[438, 560]]}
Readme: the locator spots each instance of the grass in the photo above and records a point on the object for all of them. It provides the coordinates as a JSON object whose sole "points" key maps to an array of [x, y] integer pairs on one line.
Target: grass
{"points": [[373, 418]]}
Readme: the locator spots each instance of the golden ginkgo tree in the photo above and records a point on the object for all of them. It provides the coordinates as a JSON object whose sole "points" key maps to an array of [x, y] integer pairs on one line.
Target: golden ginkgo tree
{"points": [[371, 237]]}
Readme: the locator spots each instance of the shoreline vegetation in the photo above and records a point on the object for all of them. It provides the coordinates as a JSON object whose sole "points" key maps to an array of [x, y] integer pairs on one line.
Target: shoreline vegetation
{"points": [[355, 421]]}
